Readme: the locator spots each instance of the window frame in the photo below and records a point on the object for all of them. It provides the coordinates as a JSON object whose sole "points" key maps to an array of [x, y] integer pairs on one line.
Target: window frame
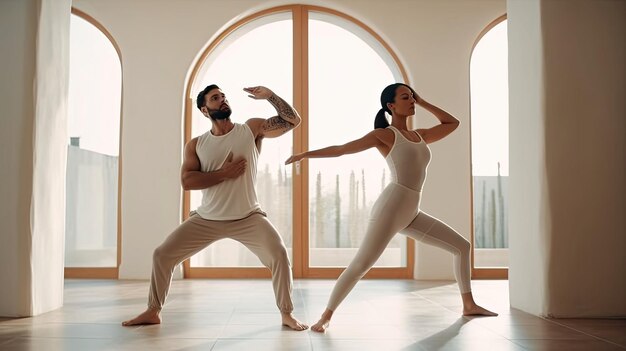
{"points": [[105, 272], [481, 273]]}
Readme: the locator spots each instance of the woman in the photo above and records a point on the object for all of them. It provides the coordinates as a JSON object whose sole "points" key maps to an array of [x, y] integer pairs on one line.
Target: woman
{"points": [[397, 208]]}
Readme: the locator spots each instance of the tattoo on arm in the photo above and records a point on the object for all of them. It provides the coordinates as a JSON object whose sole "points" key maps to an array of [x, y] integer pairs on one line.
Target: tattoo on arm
{"points": [[276, 123], [285, 111]]}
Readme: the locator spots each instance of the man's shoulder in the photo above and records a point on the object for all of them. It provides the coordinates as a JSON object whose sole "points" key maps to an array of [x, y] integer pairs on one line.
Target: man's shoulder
{"points": [[192, 142], [254, 122], [253, 125]]}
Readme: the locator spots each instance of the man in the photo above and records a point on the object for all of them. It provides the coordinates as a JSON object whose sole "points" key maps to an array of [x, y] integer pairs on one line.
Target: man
{"points": [[223, 164]]}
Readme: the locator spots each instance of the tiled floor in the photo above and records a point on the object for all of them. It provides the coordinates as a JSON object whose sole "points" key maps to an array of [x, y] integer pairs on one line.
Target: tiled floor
{"points": [[221, 315]]}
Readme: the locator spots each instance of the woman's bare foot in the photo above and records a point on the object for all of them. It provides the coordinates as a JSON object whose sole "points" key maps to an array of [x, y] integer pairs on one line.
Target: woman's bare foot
{"points": [[149, 316], [293, 323], [470, 308], [477, 311], [323, 323]]}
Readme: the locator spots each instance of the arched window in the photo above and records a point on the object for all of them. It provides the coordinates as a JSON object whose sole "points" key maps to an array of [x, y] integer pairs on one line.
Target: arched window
{"points": [[321, 208], [92, 195], [490, 150]]}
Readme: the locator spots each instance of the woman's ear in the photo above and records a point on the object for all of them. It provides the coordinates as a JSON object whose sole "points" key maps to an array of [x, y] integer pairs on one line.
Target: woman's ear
{"points": [[390, 106]]}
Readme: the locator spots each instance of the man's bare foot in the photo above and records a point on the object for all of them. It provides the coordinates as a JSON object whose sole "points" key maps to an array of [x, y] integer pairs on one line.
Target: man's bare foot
{"points": [[476, 310], [149, 316], [293, 323]]}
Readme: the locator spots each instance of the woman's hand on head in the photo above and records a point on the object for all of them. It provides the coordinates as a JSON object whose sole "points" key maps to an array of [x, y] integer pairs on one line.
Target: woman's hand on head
{"points": [[418, 99]]}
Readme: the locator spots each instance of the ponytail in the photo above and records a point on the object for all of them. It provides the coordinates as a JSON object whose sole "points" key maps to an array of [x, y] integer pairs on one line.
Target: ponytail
{"points": [[381, 120], [387, 96]]}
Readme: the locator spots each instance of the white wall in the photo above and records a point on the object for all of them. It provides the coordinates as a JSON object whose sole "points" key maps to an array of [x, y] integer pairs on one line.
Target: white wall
{"points": [[568, 147], [585, 130], [35, 47], [159, 41], [528, 226]]}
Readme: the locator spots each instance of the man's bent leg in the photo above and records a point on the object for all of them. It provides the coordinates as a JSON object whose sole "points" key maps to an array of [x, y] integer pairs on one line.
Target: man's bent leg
{"points": [[189, 238], [259, 235]]}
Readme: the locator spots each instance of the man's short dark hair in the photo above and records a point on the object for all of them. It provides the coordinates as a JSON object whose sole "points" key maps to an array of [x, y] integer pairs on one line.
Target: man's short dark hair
{"points": [[200, 101]]}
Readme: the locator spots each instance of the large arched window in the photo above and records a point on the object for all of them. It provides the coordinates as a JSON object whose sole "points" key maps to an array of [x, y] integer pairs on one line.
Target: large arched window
{"points": [[490, 150], [332, 68], [92, 195]]}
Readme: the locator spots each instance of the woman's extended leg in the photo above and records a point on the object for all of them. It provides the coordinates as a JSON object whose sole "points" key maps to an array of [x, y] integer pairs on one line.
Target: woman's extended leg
{"points": [[394, 210], [433, 231]]}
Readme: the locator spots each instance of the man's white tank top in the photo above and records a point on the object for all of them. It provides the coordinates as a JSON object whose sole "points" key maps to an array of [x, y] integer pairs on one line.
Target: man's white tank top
{"points": [[233, 198], [408, 161]]}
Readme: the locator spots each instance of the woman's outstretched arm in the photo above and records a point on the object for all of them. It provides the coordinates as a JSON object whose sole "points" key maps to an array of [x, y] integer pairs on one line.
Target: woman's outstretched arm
{"points": [[368, 141]]}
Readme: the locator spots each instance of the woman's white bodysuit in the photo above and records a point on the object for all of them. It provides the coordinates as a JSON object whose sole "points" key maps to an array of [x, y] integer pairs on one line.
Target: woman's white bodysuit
{"points": [[397, 211]]}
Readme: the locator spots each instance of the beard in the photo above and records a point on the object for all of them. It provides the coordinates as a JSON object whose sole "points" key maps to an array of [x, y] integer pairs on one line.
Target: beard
{"points": [[220, 115]]}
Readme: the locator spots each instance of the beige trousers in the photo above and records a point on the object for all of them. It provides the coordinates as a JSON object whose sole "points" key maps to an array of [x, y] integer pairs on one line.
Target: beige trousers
{"points": [[255, 232]]}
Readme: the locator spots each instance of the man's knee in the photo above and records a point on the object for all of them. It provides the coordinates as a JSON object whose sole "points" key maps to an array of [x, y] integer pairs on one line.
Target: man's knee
{"points": [[159, 254], [279, 255]]}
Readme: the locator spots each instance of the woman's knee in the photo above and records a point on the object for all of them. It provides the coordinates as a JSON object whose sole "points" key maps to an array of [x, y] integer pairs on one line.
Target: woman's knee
{"points": [[360, 267], [464, 247]]}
